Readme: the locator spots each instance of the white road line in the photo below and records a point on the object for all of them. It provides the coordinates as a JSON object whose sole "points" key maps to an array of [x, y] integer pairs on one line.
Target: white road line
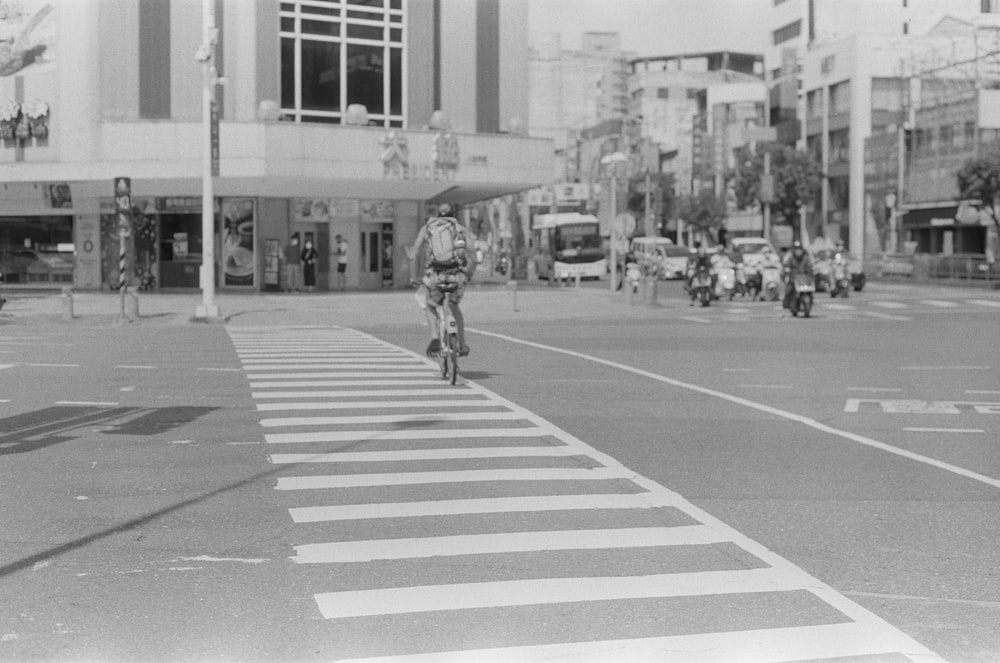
{"points": [[443, 390], [139, 367], [402, 455], [784, 414], [371, 375], [221, 370], [469, 596], [944, 430], [375, 369], [300, 359], [884, 316], [940, 303], [457, 476], [504, 542], [54, 365], [766, 386], [95, 403], [327, 353], [833, 306], [944, 368], [985, 302], [416, 434], [893, 305], [875, 389], [3, 366], [391, 419], [578, 502], [694, 318], [796, 643], [297, 381], [982, 391], [361, 405]]}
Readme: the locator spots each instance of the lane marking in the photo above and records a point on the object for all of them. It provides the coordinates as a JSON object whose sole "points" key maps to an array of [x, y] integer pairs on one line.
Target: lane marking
{"points": [[504, 542], [411, 419], [262, 354], [939, 303], [333, 361], [944, 430], [795, 643], [370, 435], [297, 381], [313, 482], [97, 403], [388, 370], [459, 453], [228, 370], [137, 367], [417, 372], [892, 305], [3, 366], [884, 316], [833, 306], [944, 368], [767, 386], [985, 302], [486, 505], [694, 318], [875, 389], [469, 596], [444, 389], [54, 365], [361, 405], [785, 414], [982, 391]]}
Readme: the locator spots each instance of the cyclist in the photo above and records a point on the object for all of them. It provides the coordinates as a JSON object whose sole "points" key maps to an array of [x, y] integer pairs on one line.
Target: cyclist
{"points": [[448, 266]]}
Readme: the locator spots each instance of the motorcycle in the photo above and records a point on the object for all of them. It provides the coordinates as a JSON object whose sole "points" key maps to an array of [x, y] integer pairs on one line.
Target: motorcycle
{"points": [[802, 297], [701, 287], [725, 284], [752, 278], [840, 280], [770, 283], [503, 263], [632, 276]]}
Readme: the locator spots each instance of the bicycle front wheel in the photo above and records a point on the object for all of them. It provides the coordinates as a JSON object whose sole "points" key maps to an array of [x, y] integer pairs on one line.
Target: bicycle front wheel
{"points": [[452, 360]]}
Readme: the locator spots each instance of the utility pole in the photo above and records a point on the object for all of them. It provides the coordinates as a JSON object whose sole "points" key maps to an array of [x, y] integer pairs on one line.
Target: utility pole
{"points": [[612, 161], [206, 56]]}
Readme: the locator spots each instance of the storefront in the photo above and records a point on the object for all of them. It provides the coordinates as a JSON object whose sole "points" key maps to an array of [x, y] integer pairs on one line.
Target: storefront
{"points": [[947, 229]]}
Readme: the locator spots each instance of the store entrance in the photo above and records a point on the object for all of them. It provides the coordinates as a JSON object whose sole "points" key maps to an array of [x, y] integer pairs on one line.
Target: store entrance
{"points": [[375, 268], [180, 250]]}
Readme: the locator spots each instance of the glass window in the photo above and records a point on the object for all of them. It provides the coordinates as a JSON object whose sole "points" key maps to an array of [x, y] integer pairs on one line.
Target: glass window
{"points": [[373, 32], [288, 73], [320, 75], [396, 81], [840, 98], [364, 77], [324, 28]]}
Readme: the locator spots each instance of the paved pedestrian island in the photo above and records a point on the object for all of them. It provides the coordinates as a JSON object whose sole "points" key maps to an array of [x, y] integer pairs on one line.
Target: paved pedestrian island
{"points": [[463, 527]]}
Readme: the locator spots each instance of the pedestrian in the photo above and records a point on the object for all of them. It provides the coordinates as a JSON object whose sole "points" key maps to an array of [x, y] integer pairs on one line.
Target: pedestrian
{"points": [[293, 265], [309, 256], [341, 254]]}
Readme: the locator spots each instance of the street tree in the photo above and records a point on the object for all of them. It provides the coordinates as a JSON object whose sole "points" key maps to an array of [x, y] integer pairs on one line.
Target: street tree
{"points": [[797, 180], [661, 197], [703, 211], [979, 180]]}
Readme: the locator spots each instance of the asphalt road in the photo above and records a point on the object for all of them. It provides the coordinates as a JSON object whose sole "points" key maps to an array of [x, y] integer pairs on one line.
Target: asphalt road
{"points": [[614, 482]]}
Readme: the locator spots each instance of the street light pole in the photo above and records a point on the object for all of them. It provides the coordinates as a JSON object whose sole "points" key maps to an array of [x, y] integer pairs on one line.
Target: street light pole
{"points": [[206, 55], [612, 161]]}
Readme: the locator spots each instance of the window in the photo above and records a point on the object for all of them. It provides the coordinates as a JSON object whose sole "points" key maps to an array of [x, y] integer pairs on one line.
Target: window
{"points": [[335, 53], [840, 147], [662, 93], [787, 32], [840, 98], [887, 94]]}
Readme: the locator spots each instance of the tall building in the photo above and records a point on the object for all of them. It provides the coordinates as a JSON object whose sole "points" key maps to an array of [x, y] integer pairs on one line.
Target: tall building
{"points": [[336, 117]]}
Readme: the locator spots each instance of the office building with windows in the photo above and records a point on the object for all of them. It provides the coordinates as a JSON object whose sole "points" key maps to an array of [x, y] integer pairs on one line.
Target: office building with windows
{"points": [[335, 117]]}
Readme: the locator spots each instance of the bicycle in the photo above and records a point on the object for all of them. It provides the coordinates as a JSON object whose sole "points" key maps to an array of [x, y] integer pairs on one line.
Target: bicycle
{"points": [[448, 337]]}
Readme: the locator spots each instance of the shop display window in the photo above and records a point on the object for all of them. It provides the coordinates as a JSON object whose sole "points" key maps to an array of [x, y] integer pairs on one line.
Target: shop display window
{"points": [[37, 249]]}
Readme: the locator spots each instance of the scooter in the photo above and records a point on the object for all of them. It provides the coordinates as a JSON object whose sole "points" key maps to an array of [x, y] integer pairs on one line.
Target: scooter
{"points": [[752, 279], [701, 287], [725, 285], [503, 263], [840, 280], [802, 299], [632, 276], [770, 283]]}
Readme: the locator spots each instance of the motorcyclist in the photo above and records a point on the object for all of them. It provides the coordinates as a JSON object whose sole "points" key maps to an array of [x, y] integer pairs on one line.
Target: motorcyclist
{"points": [[796, 262], [437, 278], [697, 261]]}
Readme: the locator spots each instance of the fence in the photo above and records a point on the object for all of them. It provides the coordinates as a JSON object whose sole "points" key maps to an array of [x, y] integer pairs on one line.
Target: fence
{"points": [[971, 267]]}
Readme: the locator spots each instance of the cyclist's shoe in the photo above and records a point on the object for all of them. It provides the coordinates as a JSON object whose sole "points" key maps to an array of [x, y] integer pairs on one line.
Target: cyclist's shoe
{"points": [[434, 347], [463, 351]]}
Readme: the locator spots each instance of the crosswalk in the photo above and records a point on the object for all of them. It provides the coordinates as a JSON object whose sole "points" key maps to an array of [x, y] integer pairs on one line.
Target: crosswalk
{"points": [[854, 308], [467, 528]]}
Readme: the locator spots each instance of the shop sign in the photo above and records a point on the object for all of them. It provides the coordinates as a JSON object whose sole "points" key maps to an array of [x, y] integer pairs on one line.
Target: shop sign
{"points": [[480, 160], [571, 193], [179, 204], [445, 158], [20, 122], [311, 210], [540, 198], [60, 196], [378, 209]]}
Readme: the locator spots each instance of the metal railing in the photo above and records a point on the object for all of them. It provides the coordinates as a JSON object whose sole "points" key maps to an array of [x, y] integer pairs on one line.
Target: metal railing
{"points": [[926, 267]]}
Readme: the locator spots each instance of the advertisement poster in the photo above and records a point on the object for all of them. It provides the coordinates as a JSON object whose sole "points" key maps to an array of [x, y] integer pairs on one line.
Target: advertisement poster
{"points": [[27, 37], [312, 210], [387, 257], [238, 241]]}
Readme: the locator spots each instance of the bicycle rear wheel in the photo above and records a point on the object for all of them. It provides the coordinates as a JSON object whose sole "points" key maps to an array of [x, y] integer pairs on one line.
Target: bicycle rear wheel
{"points": [[452, 359]]}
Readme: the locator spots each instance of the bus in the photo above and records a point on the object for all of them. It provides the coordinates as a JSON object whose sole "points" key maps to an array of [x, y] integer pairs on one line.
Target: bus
{"points": [[567, 245]]}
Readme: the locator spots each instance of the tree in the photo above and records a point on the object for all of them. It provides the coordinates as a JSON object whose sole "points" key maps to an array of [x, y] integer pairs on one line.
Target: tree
{"points": [[661, 198], [979, 180], [797, 179], [703, 210]]}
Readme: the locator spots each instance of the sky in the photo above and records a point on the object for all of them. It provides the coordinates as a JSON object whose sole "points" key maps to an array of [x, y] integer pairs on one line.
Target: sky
{"points": [[656, 27]]}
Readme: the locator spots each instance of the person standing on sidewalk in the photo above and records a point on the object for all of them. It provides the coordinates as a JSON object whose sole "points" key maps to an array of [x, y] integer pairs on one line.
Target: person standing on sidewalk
{"points": [[293, 265], [309, 256], [341, 254]]}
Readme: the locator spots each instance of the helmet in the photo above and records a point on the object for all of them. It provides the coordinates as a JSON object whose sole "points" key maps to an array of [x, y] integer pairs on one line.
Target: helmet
{"points": [[444, 209], [796, 244]]}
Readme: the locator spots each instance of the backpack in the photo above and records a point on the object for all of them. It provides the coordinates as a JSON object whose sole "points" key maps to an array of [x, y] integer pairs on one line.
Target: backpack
{"points": [[445, 244]]}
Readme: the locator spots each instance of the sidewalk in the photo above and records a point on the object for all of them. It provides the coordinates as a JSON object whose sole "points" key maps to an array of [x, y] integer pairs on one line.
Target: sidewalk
{"points": [[484, 302]]}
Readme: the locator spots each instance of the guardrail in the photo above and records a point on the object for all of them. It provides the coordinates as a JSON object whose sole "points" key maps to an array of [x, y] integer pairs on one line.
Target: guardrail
{"points": [[961, 267]]}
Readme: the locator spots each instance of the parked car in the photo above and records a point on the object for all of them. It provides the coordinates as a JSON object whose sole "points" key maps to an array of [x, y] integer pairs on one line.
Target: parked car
{"points": [[34, 266], [822, 261], [671, 259]]}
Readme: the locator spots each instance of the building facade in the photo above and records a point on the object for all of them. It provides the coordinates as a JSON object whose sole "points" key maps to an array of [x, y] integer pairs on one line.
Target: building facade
{"points": [[336, 117]]}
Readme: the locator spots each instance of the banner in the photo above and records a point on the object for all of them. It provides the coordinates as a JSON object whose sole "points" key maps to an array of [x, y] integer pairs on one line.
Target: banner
{"points": [[238, 254]]}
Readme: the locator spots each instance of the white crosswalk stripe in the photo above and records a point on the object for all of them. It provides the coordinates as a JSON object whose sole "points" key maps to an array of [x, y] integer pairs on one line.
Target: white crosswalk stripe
{"points": [[889, 304], [414, 462], [939, 303], [992, 303]]}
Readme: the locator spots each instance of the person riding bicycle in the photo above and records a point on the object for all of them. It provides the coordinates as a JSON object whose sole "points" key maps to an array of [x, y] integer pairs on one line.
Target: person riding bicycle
{"points": [[448, 267]]}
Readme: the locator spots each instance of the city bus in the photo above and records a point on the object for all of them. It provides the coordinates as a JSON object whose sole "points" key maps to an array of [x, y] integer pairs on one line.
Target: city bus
{"points": [[567, 245]]}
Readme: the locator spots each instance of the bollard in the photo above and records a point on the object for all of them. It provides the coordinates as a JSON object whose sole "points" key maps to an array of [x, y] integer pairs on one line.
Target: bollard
{"points": [[642, 289], [577, 280], [627, 288], [132, 303], [67, 303], [650, 299], [512, 289]]}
